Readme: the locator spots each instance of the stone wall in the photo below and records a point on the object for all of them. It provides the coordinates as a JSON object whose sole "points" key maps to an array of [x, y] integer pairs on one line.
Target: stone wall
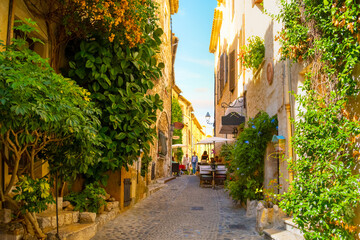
{"points": [[163, 87]]}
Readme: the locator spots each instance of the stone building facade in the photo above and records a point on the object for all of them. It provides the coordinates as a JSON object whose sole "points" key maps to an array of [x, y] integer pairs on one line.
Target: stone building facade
{"points": [[263, 89], [192, 132]]}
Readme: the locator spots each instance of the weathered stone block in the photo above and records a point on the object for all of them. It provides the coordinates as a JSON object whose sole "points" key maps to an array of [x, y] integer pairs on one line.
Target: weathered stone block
{"points": [[87, 217], [68, 218], [44, 222], [61, 220], [75, 217], [70, 208], [111, 205], [5, 215], [269, 217], [65, 204], [251, 208]]}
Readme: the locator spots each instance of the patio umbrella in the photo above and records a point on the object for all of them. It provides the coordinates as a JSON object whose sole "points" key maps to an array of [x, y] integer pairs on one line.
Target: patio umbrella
{"points": [[213, 140], [178, 145]]}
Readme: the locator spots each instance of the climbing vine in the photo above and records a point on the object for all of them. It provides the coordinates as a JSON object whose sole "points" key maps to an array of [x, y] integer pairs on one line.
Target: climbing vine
{"points": [[177, 116], [325, 36], [248, 157]]}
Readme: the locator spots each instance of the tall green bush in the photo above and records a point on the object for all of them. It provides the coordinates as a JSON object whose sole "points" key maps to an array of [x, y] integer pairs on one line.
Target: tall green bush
{"points": [[121, 80], [40, 109], [248, 157]]}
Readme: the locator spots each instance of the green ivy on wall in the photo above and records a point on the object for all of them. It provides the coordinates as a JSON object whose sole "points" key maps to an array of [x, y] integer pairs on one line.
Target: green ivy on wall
{"points": [[325, 36], [177, 116]]}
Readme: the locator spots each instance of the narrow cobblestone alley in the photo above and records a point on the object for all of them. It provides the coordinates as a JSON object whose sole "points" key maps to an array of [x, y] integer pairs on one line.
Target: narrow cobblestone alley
{"points": [[182, 210]]}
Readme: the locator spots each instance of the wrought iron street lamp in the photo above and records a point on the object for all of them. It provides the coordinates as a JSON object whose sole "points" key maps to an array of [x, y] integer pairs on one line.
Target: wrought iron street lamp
{"points": [[207, 117]]}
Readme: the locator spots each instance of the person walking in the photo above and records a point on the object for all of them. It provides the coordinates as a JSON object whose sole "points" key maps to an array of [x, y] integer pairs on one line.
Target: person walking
{"points": [[185, 162], [194, 161]]}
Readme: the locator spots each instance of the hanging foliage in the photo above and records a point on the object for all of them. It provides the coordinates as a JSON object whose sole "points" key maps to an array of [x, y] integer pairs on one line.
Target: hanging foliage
{"points": [[325, 191]]}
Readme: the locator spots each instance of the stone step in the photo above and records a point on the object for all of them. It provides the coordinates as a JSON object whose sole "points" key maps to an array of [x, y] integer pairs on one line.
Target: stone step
{"points": [[155, 187], [76, 231], [105, 217], [112, 205], [47, 220], [281, 234], [165, 179], [291, 226]]}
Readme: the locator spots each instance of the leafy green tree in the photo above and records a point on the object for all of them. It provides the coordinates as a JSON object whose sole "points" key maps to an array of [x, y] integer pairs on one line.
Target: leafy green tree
{"points": [[121, 80], [38, 108], [177, 116]]}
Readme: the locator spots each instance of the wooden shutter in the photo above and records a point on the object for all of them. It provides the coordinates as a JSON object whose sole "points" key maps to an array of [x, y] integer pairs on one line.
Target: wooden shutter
{"points": [[127, 192], [222, 73], [232, 71], [226, 66]]}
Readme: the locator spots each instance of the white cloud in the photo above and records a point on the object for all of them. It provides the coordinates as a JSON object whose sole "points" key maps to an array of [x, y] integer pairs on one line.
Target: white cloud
{"points": [[203, 103], [202, 90], [202, 62], [182, 74]]}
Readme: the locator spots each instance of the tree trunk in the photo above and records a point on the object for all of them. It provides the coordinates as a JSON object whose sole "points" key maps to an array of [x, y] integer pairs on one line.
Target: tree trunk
{"points": [[35, 224], [14, 173], [29, 227]]}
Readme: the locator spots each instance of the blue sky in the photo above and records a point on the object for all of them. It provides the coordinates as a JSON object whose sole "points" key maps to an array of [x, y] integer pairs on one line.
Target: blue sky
{"points": [[194, 65]]}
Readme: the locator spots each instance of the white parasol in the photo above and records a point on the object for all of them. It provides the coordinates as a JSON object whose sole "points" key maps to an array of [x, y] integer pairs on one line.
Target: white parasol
{"points": [[211, 140], [178, 145]]}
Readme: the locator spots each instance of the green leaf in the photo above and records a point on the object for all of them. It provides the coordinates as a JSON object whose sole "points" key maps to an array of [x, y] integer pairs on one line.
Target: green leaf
{"points": [[89, 64], [72, 64]]}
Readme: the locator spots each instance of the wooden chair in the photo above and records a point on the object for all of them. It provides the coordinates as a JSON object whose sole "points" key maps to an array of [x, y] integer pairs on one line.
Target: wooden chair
{"points": [[205, 175], [220, 175]]}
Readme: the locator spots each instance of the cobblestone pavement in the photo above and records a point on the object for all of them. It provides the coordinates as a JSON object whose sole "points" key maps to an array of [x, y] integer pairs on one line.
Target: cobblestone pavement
{"points": [[182, 210]]}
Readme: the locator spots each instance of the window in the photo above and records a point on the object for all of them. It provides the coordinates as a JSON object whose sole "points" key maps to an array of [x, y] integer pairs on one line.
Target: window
{"points": [[232, 67]]}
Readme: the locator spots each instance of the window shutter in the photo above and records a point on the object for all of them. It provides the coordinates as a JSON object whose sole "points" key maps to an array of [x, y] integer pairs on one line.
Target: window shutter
{"points": [[226, 66], [232, 71], [222, 73]]}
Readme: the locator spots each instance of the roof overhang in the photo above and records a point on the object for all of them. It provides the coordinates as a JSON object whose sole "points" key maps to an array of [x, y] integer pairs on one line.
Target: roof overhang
{"points": [[215, 32], [174, 6], [230, 121]]}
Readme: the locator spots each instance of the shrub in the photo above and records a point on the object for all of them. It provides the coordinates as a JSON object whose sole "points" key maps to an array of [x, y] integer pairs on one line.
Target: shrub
{"points": [[249, 153], [90, 199], [33, 194]]}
